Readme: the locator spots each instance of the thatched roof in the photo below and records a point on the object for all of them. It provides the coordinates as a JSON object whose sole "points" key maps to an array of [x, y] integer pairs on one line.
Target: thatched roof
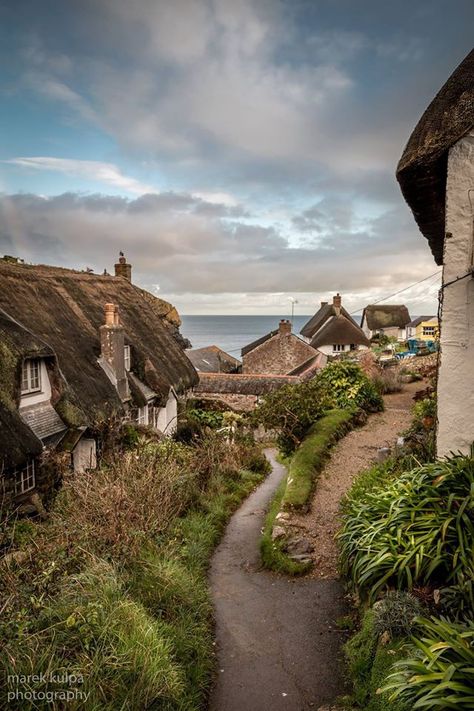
{"points": [[212, 359], [340, 330], [422, 169], [240, 384], [17, 441], [379, 316], [65, 308], [326, 312]]}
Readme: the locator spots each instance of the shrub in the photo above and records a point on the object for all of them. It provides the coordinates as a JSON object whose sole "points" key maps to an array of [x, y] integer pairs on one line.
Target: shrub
{"points": [[388, 381], [395, 613], [292, 410], [440, 671], [348, 386], [415, 529]]}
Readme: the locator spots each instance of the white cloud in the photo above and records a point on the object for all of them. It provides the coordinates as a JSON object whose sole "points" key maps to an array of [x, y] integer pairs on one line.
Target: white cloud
{"points": [[106, 173]]}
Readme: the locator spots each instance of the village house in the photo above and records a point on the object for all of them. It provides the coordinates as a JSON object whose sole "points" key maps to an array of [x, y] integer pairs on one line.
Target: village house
{"points": [[385, 319], [242, 391], [77, 350], [212, 359], [423, 328], [333, 331], [277, 353], [436, 175]]}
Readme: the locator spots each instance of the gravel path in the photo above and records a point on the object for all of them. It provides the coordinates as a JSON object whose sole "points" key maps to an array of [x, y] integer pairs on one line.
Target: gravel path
{"points": [[356, 451]]}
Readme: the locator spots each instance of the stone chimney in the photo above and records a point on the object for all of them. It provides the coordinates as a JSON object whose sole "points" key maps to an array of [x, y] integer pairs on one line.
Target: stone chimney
{"points": [[336, 301], [123, 269], [324, 303], [112, 349], [284, 327]]}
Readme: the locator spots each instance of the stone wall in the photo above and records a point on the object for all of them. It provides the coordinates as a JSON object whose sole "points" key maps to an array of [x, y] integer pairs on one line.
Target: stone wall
{"points": [[278, 356]]}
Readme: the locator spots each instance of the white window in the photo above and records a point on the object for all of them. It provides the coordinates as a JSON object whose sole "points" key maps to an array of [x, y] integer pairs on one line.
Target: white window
{"points": [[142, 417], [25, 478], [338, 347], [31, 376], [126, 357], [153, 416], [428, 330]]}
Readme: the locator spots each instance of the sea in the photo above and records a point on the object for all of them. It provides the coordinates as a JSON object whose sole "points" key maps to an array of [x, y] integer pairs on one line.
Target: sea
{"points": [[231, 333]]}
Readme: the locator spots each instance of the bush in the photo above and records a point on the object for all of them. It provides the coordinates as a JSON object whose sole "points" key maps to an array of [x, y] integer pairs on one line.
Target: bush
{"points": [[396, 613], [440, 670], [113, 587], [417, 529], [348, 386], [292, 410], [388, 381]]}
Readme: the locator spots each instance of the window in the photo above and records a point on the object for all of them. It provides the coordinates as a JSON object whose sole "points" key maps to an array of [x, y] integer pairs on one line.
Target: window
{"points": [[337, 347], [25, 478], [352, 346], [429, 330], [126, 357], [153, 416], [142, 418], [31, 376]]}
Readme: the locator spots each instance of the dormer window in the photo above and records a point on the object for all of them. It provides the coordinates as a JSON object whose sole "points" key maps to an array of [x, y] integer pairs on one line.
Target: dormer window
{"points": [[126, 357], [25, 479], [31, 376]]}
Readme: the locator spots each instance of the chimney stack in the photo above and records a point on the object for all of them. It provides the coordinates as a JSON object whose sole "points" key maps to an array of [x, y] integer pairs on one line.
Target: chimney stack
{"points": [[324, 303], [284, 327], [337, 303], [112, 349], [123, 269]]}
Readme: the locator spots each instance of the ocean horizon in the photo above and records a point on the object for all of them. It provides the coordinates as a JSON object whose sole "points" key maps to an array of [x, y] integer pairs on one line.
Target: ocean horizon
{"points": [[233, 332]]}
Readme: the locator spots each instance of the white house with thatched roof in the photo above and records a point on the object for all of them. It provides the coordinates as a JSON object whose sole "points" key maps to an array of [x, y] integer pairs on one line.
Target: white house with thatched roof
{"points": [[436, 175]]}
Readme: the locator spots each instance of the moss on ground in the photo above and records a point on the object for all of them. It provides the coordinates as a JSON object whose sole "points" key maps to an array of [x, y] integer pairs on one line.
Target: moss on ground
{"points": [[296, 488], [308, 460], [369, 664]]}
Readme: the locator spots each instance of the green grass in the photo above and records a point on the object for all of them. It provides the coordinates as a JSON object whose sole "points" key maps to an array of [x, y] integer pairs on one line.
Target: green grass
{"points": [[273, 556], [295, 489], [308, 460], [138, 630], [369, 664]]}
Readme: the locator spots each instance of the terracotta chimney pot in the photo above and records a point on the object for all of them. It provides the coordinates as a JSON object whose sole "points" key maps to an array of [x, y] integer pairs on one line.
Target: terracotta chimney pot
{"points": [[109, 314], [284, 327]]}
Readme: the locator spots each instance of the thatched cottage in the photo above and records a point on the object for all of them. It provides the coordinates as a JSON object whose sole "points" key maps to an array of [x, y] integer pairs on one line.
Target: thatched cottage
{"points": [[385, 319], [78, 350], [333, 331], [277, 353], [436, 175]]}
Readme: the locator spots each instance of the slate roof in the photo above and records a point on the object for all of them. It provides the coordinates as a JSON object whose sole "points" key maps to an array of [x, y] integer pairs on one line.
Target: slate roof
{"points": [[242, 384], [421, 319], [379, 316], [422, 169], [340, 330], [65, 308], [42, 419], [212, 359]]}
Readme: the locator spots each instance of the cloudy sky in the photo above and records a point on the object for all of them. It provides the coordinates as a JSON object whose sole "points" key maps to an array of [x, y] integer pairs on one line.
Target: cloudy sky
{"points": [[239, 152]]}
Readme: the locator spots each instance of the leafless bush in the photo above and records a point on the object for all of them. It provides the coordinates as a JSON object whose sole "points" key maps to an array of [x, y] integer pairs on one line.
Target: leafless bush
{"points": [[388, 381]]}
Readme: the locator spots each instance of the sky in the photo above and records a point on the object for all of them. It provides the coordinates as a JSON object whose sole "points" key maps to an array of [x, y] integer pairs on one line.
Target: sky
{"points": [[241, 153]]}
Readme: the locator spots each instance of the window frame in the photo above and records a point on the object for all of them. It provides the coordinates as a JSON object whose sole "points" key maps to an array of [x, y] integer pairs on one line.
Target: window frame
{"points": [[25, 478], [127, 358], [338, 348], [32, 381]]}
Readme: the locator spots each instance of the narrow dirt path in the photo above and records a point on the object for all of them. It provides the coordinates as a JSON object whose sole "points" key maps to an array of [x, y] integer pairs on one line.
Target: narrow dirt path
{"points": [[278, 645], [277, 642], [355, 452]]}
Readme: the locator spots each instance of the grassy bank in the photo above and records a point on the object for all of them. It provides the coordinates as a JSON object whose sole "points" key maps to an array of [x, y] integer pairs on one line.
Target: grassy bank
{"points": [[113, 588], [295, 490]]}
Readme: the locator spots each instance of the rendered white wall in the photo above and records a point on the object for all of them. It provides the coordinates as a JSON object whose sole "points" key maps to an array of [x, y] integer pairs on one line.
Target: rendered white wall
{"points": [[84, 455], [43, 395], [456, 375]]}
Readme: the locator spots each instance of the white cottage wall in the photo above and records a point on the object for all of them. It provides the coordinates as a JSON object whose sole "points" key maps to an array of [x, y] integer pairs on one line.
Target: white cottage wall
{"points": [[43, 395], [456, 375]]}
